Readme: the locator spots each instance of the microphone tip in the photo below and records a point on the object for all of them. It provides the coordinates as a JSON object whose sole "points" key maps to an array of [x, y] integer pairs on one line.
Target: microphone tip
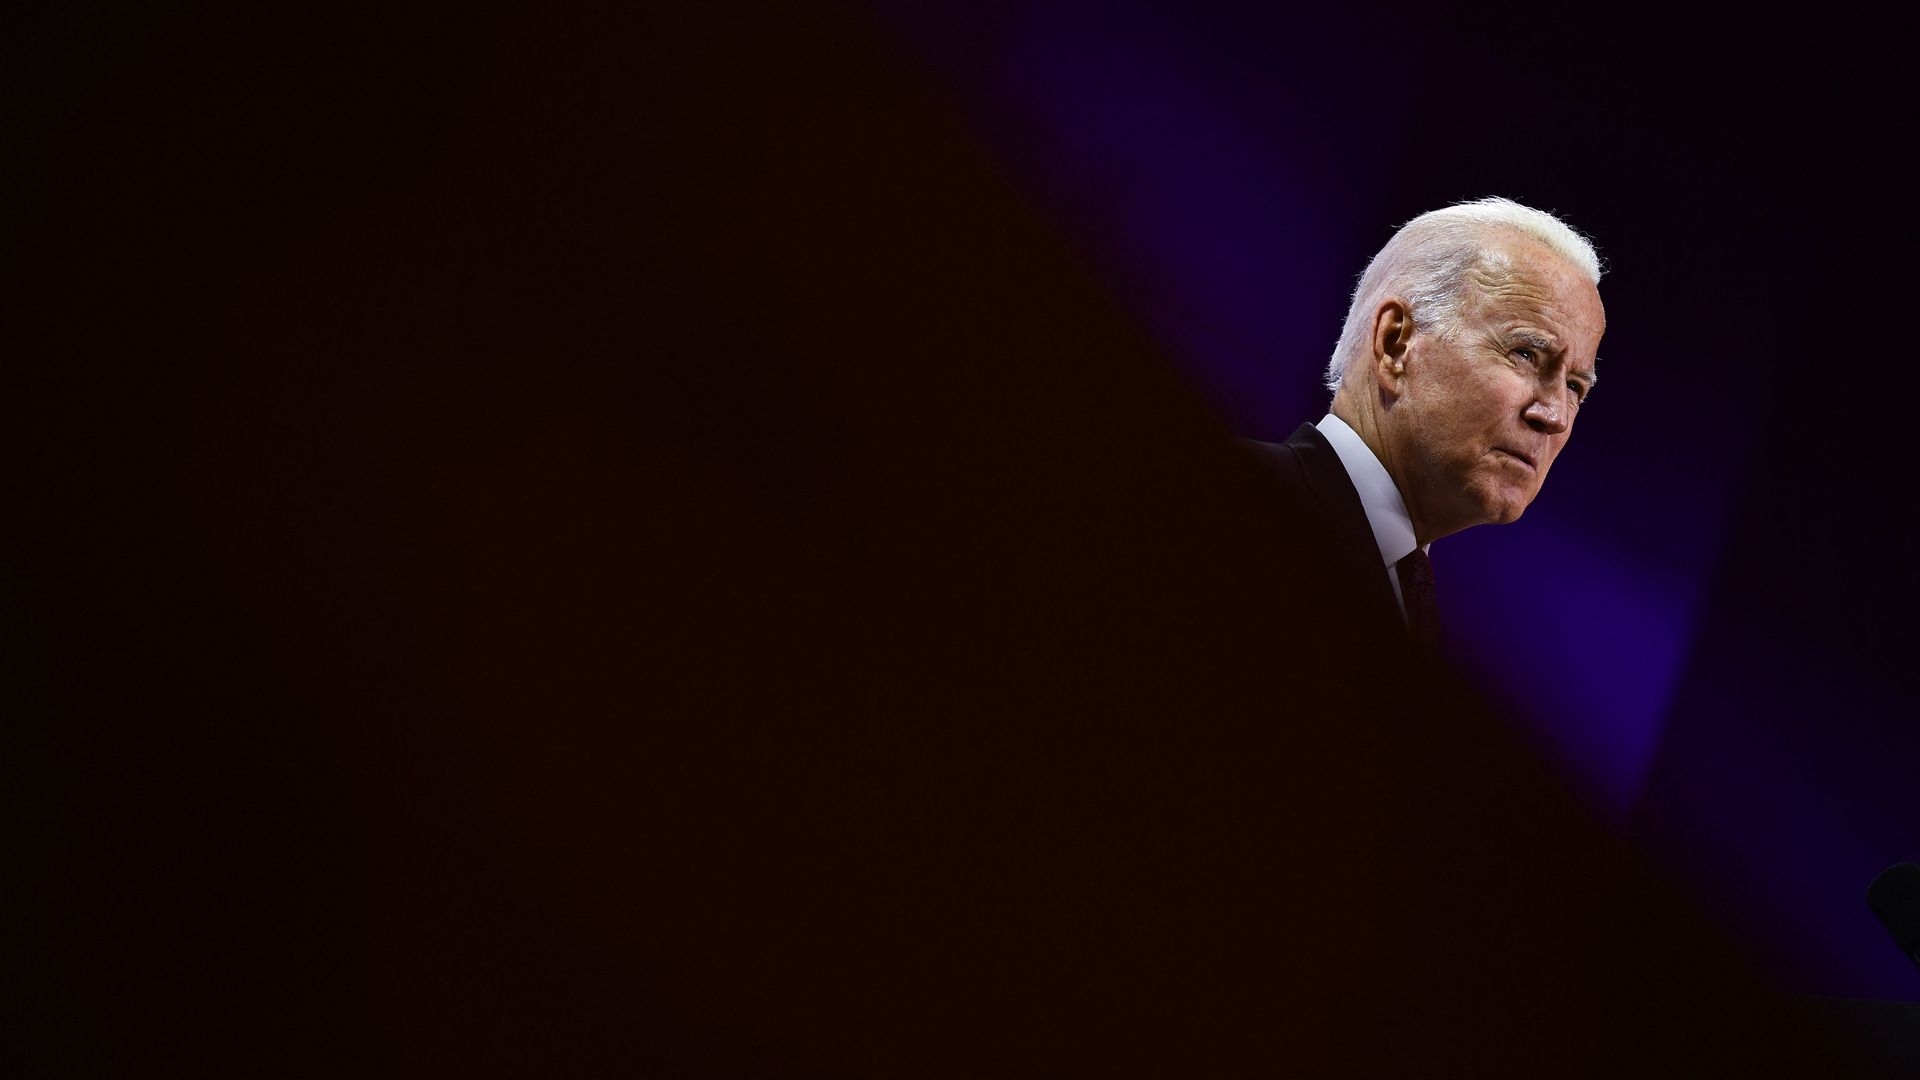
{"points": [[1894, 897]]}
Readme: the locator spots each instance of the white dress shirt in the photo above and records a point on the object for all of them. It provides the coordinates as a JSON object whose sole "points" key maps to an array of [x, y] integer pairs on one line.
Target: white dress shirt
{"points": [[1386, 511]]}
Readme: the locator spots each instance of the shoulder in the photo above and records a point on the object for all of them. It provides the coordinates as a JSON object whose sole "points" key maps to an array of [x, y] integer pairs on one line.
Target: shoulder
{"points": [[1308, 484], [1294, 461]]}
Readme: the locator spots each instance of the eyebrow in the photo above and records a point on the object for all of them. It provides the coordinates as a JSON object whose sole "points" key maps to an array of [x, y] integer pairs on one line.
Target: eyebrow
{"points": [[1552, 345]]}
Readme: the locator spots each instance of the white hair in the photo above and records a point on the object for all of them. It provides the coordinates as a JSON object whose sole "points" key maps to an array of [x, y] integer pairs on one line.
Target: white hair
{"points": [[1429, 259]]}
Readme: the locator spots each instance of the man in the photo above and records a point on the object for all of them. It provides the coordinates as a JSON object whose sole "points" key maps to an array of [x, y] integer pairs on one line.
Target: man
{"points": [[1467, 353]]}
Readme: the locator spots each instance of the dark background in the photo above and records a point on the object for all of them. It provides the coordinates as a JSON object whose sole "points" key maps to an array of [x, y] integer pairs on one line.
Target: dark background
{"points": [[499, 499]]}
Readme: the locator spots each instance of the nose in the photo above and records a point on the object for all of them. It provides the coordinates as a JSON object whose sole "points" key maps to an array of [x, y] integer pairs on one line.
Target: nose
{"points": [[1548, 417]]}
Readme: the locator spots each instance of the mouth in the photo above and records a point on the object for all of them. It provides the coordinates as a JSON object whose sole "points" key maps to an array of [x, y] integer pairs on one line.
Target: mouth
{"points": [[1519, 455]]}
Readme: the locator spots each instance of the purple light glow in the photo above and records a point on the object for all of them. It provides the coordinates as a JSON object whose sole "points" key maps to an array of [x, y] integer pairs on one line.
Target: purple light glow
{"points": [[1589, 659], [1202, 193]]}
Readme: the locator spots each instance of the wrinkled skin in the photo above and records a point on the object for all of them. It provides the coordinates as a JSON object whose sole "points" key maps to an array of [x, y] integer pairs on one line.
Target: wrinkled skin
{"points": [[1469, 424]]}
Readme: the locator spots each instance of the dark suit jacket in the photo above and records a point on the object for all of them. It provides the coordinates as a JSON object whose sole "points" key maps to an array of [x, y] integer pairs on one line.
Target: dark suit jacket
{"points": [[1332, 524]]}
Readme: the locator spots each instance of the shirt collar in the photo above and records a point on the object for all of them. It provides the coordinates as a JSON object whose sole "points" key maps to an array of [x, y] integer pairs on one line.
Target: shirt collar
{"points": [[1386, 511]]}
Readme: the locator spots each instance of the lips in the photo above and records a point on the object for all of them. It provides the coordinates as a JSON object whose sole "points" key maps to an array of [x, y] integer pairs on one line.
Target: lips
{"points": [[1521, 455]]}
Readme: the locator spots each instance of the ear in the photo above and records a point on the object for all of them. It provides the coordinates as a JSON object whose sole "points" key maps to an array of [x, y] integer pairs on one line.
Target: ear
{"points": [[1392, 331]]}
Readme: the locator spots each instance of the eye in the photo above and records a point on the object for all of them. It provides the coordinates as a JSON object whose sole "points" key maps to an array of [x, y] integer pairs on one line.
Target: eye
{"points": [[1579, 391], [1527, 354]]}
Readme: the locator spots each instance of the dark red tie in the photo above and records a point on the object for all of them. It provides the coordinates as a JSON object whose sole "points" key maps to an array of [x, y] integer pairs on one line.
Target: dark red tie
{"points": [[1416, 590]]}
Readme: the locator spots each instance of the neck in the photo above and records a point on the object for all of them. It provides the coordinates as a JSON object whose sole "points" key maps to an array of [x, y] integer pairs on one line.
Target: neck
{"points": [[1362, 413], [1360, 417]]}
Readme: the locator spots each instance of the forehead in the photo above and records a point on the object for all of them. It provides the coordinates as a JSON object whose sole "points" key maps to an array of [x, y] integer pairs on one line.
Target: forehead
{"points": [[1525, 285]]}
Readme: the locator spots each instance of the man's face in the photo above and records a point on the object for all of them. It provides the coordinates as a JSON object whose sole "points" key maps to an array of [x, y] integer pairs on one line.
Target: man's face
{"points": [[1479, 417]]}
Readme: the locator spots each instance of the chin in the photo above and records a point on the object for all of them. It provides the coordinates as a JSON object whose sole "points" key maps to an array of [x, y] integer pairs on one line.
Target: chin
{"points": [[1507, 511], [1515, 508], [1500, 503]]}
